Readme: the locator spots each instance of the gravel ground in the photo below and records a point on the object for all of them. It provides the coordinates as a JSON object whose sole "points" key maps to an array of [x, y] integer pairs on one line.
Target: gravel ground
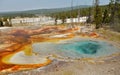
{"points": [[110, 66]]}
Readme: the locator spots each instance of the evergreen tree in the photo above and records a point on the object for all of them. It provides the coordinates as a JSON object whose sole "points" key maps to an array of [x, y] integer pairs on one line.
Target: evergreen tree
{"points": [[63, 17], [106, 16], [112, 11], [56, 20], [117, 16], [114, 8], [89, 16], [117, 6], [1, 23], [98, 15]]}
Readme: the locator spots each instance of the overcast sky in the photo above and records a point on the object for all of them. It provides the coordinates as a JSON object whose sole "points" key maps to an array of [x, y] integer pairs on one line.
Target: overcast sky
{"points": [[18, 5]]}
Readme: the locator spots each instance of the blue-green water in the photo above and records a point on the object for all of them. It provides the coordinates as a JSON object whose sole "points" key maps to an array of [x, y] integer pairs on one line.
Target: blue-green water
{"points": [[77, 49], [85, 47]]}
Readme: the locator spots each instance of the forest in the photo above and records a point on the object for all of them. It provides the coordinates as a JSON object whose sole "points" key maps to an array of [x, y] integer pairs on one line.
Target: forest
{"points": [[100, 15]]}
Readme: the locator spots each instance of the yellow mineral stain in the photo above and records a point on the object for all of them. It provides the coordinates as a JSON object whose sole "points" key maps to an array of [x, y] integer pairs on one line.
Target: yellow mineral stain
{"points": [[28, 50], [7, 58]]}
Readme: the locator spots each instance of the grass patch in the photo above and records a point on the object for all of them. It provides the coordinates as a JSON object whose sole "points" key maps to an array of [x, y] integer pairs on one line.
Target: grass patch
{"points": [[110, 35]]}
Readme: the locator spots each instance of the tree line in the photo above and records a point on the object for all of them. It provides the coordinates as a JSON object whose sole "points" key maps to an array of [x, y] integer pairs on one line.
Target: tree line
{"points": [[110, 15], [97, 14]]}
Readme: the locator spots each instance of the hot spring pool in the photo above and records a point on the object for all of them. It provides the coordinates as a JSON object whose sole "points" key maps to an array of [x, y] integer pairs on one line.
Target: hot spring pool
{"points": [[76, 49]]}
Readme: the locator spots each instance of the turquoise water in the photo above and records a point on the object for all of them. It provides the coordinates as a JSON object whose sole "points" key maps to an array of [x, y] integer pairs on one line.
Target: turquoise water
{"points": [[77, 49], [85, 47]]}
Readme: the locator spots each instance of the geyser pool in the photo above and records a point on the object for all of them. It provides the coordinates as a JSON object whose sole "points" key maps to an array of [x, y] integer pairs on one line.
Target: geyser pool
{"points": [[76, 49], [85, 47]]}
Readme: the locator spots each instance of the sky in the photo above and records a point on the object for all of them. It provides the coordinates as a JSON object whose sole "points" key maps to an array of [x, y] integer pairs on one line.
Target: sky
{"points": [[20, 5]]}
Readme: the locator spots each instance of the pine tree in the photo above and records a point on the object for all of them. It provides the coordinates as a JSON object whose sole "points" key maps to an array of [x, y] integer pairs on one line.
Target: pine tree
{"points": [[1, 23], [117, 16], [98, 15], [89, 16], [63, 17], [56, 18], [117, 6], [106, 16], [112, 11], [114, 7]]}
